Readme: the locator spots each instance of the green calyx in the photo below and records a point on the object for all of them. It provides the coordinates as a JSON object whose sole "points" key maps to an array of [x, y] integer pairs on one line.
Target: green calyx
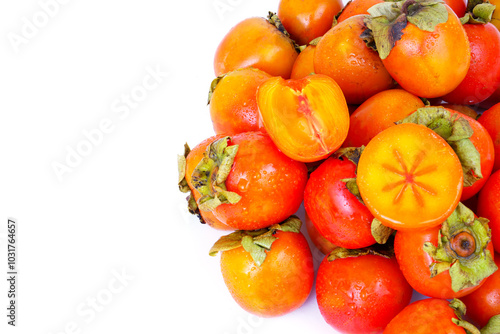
{"points": [[462, 249], [380, 232], [459, 307], [181, 165], [457, 131], [481, 13], [493, 326], [213, 85], [353, 188], [353, 154], [255, 242], [183, 185], [388, 19], [210, 174], [379, 250]]}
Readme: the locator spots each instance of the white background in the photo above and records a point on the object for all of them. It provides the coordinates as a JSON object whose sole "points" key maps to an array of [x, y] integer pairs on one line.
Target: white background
{"points": [[118, 210]]}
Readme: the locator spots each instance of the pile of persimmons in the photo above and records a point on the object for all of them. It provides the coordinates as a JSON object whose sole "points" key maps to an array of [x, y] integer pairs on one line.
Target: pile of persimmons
{"points": [[383, 119]]}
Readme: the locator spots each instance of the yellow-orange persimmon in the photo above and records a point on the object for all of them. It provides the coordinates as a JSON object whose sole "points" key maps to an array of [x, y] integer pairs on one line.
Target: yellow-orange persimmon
{"points": [[307, 119]]}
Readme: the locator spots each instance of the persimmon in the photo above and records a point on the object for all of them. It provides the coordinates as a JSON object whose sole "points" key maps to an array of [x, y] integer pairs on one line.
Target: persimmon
{"points": [[490, 120], [483, 76], [488, 206], [360, 293], [432, 315], [187, 164], [458, 6], [336, 213], [469, 140], [307, 20], [342, 55], [304, 64], [256, 42], [484, 303], [378, 113], [270, 272], [247, 183], [233, 104], [307, 118], [483, 142], [450, 260], [427, 57], [409, 177], [356, 7], [321, 243]]}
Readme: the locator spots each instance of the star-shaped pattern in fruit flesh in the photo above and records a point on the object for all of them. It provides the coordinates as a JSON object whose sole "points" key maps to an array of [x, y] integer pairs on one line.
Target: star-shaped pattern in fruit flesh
{"points": [[409, 178]]}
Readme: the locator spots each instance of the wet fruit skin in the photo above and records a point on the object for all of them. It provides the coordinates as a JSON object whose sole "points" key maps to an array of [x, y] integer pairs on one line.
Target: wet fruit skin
{"points": [[342, 55], [490, 120], [458, 6], [325, 246], [378, 113], [233, 106], [414, 263], [255, 42], [336, 213], [483, 76], [424, 317], [484, 303], [307, 119], [430, 64], [280, 285], [489, 207], [361, 294], [192, 161], [271, 184], [306, 20], [304, 64], [356, 7], [401, 182]]}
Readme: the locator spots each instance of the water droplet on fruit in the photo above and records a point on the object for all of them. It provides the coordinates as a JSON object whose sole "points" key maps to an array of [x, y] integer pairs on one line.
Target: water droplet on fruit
{"points": [[243, 185]]}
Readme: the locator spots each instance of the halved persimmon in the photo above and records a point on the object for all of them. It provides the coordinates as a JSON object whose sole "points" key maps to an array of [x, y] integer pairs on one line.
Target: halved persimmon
{"points": [[307, 119], [409, 177]]}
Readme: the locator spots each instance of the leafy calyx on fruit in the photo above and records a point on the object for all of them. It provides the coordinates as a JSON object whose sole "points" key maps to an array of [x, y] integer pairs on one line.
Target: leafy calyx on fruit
{"points": [[457, 131], [386, 251], [478, 13], [213, 85], [183, 185], [210, 174], [380, 232], [459, 307], [181, 165], [255, 242], [275, 21], [493, 326], [388, 19], [461, 249]]}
